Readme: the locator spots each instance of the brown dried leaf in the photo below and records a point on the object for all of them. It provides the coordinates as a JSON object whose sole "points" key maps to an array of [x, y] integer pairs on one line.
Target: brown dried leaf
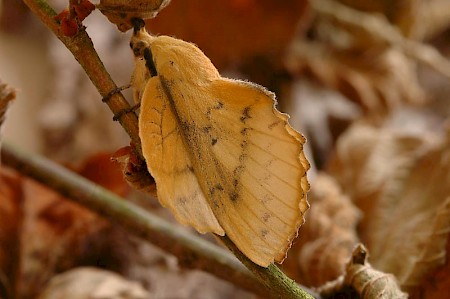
{"points": [[433, 252], [437, 283], [11, 218], [379, 81], [328, 236], [376, 156], [57, 234], [402, 13], [92, 283], [365, 280], [135, 171], [100, 169], [402, 185], [352, 57], [420, 207]]}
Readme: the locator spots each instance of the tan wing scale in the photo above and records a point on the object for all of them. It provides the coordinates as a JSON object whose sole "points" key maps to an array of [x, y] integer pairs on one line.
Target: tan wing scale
{"points": [[170, 165], [248, 161]]}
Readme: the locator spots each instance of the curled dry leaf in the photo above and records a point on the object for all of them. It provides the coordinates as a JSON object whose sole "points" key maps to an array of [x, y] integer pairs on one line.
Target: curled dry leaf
{"points": [[365, 280], [401, 13], [402, 185], [376, 156], [121, 12], [92, 283], [379, 81], [437, 283], [366, 69], [328, 236]]}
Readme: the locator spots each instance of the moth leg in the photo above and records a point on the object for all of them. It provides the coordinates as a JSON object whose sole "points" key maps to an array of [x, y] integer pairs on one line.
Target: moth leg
{"points": [[122, 112], [106, 98]]}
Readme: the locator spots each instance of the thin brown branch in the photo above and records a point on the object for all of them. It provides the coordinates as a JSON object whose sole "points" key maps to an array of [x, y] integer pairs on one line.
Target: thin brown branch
{"points": [[83, 50]]}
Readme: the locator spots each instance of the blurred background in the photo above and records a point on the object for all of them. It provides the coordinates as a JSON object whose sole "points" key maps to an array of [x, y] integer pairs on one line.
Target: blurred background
{"points": [[367, 82]]}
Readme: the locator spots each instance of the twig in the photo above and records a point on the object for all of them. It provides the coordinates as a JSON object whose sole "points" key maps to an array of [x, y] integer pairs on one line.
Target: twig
{"points": [[83, 50], [379, 28], [191, 250], [275, 280]]}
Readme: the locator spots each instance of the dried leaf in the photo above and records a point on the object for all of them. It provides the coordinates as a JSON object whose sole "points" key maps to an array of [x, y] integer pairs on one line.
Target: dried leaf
{"points": [[135, 171], [57, 234], [11, 217], [402, 185], [92, 283], [419, 208], [437, 283], [365, 280], [350, 56], [328, 236], [433, 251], [376, 157], [379, 81], [401, 13]]}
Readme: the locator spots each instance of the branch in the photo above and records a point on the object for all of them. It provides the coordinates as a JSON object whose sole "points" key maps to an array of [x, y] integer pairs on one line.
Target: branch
{"points": [[192, 251], [275, 280], [83, 50]]}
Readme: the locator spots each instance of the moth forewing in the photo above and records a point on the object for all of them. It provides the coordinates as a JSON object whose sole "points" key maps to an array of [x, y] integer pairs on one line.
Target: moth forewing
{"points": [[225, 160]]}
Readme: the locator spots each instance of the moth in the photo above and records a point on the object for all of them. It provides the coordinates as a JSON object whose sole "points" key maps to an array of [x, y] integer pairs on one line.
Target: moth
{"points": [[224, 159]]}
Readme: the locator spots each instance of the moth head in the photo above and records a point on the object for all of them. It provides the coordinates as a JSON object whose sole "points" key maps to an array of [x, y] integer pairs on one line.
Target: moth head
{"points": [[138, 47], [171, 57], [140, 39]]}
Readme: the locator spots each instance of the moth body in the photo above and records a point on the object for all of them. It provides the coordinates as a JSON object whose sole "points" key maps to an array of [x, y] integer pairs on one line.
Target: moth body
{"points": [[224, 159]]}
